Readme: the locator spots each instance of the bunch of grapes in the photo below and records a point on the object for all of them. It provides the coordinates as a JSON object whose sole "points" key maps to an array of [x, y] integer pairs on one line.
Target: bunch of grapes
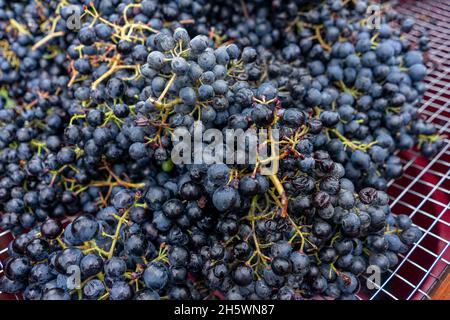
{"points": [[88, 185]]}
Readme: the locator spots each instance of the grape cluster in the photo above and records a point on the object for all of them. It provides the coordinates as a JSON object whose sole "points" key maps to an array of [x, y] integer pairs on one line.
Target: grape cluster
{"points": [[100, 211], [366, 87]]}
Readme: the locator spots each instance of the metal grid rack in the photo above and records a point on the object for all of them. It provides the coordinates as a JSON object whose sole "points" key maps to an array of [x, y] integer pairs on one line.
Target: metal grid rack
{"points": [[423, 192]]}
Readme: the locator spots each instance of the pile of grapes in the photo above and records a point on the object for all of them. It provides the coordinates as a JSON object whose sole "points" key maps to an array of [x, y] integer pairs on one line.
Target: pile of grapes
{"points": [[92, 92]]}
